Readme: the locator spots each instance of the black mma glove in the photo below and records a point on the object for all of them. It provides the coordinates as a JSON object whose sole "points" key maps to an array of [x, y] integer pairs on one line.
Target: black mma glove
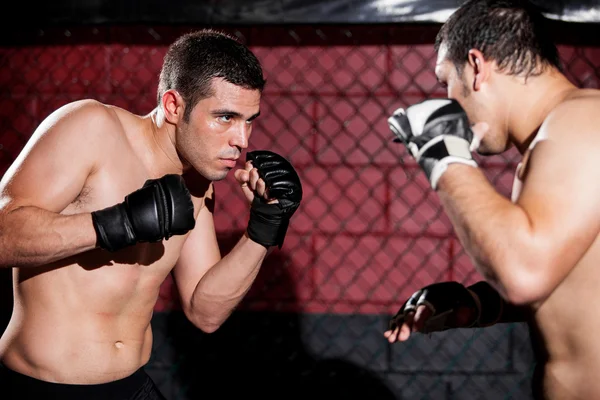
{"points": [[268, 223], [437, 133], [445, 299], [160, 209]]}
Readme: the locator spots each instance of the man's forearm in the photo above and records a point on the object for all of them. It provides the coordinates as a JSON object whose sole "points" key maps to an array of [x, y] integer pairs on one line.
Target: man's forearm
{"points": [[30, 236], [491, 228], [223, 287]]}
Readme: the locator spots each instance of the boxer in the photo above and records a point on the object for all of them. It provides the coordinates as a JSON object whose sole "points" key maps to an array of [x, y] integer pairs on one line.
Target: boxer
{"points": [[102, 205], [538, 252]]}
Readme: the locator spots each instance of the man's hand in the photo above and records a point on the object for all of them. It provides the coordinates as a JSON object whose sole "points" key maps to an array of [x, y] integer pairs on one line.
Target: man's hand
{"points": [[435, 308], [160, 209], [274, 191], [437, 133]]}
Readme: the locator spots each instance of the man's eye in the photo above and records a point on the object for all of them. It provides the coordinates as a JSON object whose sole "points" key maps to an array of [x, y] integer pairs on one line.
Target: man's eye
{"points": [[225, 118]]}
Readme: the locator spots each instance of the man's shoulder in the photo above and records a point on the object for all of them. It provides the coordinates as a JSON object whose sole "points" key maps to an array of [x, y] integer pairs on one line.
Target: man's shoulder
{"points": [[580, 103], [577, 115], [96, 112], [77, 115], [83, 106], [84, 123]]}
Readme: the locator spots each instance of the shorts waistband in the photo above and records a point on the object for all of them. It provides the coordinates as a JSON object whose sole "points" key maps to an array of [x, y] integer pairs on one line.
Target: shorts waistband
{"points": [[24, 386]]}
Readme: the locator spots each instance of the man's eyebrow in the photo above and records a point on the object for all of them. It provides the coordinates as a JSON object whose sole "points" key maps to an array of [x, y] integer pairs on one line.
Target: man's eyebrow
{"points": [[231, 113], [225, 111]]}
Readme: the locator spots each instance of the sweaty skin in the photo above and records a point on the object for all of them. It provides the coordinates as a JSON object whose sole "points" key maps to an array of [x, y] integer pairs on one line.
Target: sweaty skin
{"points": [[540, 249], [82, 315]]}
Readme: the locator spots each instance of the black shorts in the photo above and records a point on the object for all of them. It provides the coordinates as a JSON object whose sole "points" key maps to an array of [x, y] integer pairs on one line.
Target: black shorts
{"points": [[137, 386]]}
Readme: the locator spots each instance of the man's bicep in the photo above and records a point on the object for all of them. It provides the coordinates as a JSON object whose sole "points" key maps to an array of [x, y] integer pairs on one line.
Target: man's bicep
{"points": [[199, 253], [53, 166]]}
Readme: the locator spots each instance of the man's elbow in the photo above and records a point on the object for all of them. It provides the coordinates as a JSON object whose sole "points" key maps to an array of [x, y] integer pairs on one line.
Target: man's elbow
{"points": [[525, 287], [205, 323], [207, 326]]}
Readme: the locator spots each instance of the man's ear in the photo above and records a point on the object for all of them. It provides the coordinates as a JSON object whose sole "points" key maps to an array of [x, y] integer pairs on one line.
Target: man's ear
{"points": [[482, 68], [173, 106]]}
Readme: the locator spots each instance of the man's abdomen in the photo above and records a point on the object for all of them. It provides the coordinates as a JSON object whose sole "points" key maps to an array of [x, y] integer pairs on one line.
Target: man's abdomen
{"points": [[81, 350], [73, 325]]}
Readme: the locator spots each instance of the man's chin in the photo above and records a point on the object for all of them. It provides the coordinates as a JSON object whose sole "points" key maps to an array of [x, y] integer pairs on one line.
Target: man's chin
{"points": [[486, 152], [219, 175], [213, 175]]}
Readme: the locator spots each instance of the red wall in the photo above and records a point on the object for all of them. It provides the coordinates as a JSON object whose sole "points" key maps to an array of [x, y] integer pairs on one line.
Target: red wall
{"points": [[369, 232]]}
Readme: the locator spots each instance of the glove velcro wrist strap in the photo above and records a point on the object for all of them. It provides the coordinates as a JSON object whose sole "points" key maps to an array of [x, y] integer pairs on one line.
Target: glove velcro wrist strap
{"points": [[268, 224], [441, 151], [113, 228], [491, 304], [442, 165]]}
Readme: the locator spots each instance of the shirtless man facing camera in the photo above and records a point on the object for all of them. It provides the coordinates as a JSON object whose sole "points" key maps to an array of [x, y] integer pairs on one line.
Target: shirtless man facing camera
{"points": [[101, 205], [539, 252]]}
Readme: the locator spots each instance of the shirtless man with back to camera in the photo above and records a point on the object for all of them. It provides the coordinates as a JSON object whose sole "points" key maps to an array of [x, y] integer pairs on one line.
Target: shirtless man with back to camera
{"points": [[539, 251]]}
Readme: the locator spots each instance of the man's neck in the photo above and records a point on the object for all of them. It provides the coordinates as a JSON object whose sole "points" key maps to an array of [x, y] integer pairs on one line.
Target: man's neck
{"points": [[531, 103], [163, 143]]}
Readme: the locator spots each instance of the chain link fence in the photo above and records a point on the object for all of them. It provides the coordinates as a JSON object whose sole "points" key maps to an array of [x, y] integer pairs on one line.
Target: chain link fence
{"points": [[370, 230]]}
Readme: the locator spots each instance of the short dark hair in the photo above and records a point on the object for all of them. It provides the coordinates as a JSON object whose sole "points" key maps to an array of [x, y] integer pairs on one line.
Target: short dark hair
{"points": [[514, 33], [195, 58]]}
